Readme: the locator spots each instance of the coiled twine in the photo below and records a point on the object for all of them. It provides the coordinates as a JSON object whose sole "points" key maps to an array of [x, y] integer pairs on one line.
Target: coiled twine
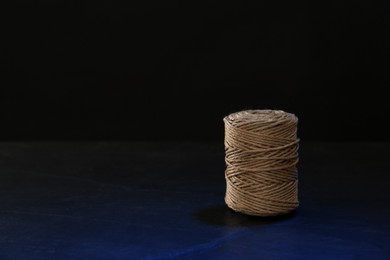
{"points": [[261, 154]]}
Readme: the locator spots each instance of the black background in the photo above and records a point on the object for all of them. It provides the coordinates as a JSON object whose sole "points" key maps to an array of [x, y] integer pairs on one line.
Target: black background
{"points": [[171, 70]]}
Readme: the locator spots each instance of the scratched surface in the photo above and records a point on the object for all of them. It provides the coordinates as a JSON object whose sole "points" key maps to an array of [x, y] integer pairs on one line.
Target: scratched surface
{"points": [[140, 200]]}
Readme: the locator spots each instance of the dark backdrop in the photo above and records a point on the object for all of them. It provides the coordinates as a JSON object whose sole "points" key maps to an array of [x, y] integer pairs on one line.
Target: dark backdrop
{"points": [[170, 70]]}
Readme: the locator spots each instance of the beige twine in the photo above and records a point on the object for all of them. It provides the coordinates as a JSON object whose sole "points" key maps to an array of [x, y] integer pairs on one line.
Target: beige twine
{"points": [[261, 153]]}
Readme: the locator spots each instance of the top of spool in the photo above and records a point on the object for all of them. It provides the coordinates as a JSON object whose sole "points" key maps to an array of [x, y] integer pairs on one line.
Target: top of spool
{"points": [[263, 116]]}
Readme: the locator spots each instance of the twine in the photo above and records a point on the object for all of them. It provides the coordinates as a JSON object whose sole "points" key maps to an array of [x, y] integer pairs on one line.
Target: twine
{"points": [[261, 153]]}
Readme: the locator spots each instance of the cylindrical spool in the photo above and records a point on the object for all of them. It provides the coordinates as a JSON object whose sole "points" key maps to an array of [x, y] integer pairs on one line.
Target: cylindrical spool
{"points": [[261, 154]]}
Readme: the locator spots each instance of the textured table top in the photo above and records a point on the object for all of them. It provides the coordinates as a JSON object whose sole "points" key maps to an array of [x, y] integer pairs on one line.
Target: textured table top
{"points": [[145, 200]]}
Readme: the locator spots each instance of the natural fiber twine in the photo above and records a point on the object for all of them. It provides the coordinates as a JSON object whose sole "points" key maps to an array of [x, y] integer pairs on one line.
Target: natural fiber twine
{"points": [[261, 153]]}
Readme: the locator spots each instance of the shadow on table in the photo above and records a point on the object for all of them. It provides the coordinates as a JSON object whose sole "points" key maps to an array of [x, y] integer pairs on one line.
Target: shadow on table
{"points": [[221, 215]]}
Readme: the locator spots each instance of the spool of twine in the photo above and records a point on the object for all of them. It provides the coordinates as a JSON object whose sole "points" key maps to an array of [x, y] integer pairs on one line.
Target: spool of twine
{"points": [[261, 154]]}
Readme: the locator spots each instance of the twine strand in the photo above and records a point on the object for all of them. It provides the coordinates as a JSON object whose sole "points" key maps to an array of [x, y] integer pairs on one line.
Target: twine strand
{"points": [[261, 154]]}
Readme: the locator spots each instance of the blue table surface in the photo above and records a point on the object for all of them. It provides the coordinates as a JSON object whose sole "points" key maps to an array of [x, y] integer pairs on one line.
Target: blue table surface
{"points": [[162, 200]]}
